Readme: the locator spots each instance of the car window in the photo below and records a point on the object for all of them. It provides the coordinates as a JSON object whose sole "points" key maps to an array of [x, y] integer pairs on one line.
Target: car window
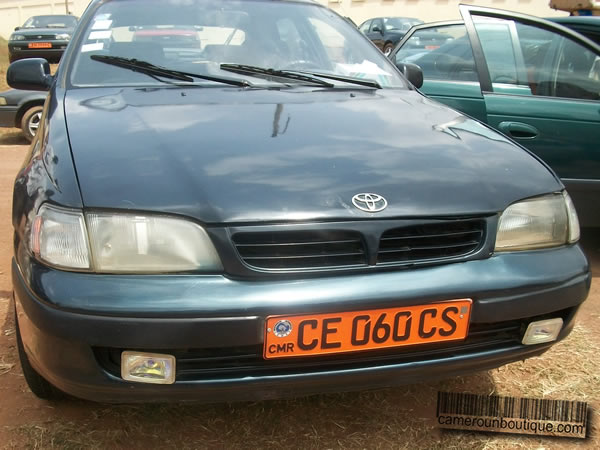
{"points": [[377, 23], [51, 22], [196, 37], [498, 49], [290, 37], [592, 34], [546, 62], [399, 24], [334, 42], [443, 53], [364, 28], [558, 66]]}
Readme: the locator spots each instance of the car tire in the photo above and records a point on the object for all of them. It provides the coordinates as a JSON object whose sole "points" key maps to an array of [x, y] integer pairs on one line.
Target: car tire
{"points": [[388, 48], [37, 384], [31, 121]]}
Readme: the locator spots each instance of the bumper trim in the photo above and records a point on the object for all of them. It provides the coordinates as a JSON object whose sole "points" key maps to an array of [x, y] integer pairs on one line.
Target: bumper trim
{"points": [[115, 390]]}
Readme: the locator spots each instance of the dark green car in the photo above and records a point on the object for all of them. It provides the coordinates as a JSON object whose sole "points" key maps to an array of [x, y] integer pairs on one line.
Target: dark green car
{"points": [[536, 81], [589, 26]]}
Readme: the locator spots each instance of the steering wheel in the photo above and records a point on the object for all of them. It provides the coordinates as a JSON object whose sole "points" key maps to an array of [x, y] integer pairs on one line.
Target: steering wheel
{"points": [[301, 64], [504, 79]]}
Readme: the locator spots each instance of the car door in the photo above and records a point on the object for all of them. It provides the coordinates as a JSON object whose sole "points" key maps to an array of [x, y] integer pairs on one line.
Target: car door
{"points": [[376, 33], [444, 53], [543, 90]]}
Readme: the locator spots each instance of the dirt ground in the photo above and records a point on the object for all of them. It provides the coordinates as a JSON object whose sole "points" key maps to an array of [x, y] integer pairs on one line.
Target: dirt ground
{"points": [[392, 418]]}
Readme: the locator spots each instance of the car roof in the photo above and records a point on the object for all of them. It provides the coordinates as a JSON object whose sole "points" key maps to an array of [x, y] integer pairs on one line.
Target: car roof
{"points": [[311, 2], [581, 20], [396, 17], [390, 17], [53, 15]]}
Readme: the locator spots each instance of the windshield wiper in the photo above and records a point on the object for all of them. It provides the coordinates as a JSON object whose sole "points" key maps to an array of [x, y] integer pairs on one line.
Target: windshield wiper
{"points": [[299, 75], [273, 73], [359, 81], [158, 71]]}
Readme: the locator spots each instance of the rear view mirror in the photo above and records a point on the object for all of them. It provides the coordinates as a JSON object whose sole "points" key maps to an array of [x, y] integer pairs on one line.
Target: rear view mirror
{"points": [[30, 74], [412, 72]]}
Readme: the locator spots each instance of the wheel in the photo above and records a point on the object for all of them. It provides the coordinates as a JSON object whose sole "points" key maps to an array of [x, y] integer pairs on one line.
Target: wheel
{"points": [[31, 121], [38, 385], [387, 49]]}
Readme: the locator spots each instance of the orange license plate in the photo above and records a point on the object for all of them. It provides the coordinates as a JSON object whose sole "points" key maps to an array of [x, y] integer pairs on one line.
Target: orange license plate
{"points": [[320, 334], [40, 45]]}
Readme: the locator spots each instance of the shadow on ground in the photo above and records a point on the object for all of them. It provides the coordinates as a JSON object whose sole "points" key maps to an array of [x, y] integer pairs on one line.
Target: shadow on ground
{"points": [[12, 137]]}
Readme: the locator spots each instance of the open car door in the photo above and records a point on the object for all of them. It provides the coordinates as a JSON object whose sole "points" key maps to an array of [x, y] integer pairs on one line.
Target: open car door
{"points": [[541, 87]]}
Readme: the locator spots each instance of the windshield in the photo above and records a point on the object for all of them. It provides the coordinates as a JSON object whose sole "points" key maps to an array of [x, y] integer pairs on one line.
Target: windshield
{"points": [[400, 23], [198, 36], [51, 22]]}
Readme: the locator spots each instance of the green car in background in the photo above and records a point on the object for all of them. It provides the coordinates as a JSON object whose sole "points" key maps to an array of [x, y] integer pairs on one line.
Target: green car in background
{"points": [[589, 26], [534, 80]]}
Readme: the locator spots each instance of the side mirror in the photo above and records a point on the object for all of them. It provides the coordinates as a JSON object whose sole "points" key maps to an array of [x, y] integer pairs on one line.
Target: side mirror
{"points": [[412, 72], [376, 29], [30, 74], [17, 28]]}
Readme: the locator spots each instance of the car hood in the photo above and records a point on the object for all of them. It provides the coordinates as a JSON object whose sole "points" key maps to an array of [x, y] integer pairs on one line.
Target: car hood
{"points": [[234, 155]]}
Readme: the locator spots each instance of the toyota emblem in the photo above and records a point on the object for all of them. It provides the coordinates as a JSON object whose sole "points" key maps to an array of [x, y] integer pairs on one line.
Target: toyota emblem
{"points": [[369, 202]]}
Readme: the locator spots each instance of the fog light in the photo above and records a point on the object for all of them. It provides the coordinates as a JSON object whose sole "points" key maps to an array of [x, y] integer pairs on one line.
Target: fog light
{"points": [[148, 368], [542, 331]]}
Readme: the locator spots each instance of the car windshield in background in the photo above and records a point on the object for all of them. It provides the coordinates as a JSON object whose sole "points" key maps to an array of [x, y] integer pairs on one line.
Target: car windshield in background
{"points": [[199, 36], [51, 22], [400, 23]]}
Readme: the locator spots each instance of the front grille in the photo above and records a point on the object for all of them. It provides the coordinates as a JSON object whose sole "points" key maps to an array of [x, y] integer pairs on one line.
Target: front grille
{"points": [[430, 241], [359, 244], [42, 37], [239, 362], [301, 249]]}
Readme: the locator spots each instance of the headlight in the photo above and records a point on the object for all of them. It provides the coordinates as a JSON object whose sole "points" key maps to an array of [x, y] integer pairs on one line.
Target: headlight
{"points": [[16, 37], [63, 37], [3, 101], [541, 222], [143, 243], [121, 243]]}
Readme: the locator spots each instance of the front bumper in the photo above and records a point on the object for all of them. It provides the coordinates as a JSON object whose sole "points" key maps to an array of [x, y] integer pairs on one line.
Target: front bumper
{"points": [[8, 116], [20, 50], [65, 318]]}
